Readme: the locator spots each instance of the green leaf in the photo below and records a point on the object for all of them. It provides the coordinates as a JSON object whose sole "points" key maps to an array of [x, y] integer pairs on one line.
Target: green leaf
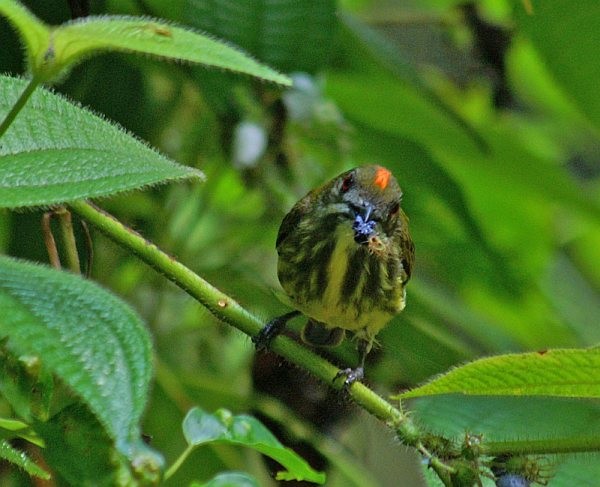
{"points": [[396, 107], [200, 428], [86, 336], [229, 479], [18, 458], [56, 151], [566, 373], [576, 470], [75, 433], [34, 33], [509, 418], [52, 51], [25, 383], [567, 35], [516, 420], [293, 35], [76, 39], [15, 428]]}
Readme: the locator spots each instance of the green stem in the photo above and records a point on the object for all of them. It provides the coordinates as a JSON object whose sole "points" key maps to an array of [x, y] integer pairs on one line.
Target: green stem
{"points": [[16, 108], [49, 241], [541, 447], [68, 237], [177, 463], [442, 470]]}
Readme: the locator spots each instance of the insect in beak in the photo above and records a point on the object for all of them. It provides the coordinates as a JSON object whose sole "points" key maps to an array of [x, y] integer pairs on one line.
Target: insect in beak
{"points": [[362, 226]]}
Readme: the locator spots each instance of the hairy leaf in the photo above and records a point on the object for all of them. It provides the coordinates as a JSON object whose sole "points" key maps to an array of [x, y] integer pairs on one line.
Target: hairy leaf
{"points": [[56, 151], [20, 459], [75, 434], [86, 336], [567, 373], [52, 51], [150, 36], [200, 427]]}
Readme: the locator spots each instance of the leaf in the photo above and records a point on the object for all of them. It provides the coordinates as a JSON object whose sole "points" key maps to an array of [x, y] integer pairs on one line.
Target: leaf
{"points": [[56, 152], [229, 479], [515, 419], [25, 383], [15, 428], [76, 39], [18, 458], [52, 51], [86, 336], [578, 302], [34, 33], [396, 107], [509, 418], [566, 373], [566, 35], [200, 427], [576, 470], [75, 433], [293, 35]]}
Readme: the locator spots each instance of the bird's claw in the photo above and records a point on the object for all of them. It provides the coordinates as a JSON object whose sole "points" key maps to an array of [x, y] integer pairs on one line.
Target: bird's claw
{"points": [[262, 340], [351, 376]]}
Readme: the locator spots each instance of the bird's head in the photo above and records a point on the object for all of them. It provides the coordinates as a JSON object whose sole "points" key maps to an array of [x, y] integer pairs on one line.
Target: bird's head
{"points": [[370, 197]]}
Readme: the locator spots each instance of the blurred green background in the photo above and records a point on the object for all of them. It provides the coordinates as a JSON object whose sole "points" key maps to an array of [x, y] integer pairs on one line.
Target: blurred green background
{"points": [[488, 114]]}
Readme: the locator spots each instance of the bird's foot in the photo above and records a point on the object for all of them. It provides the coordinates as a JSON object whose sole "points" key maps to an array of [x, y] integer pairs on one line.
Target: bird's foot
{"points": [[262, 340], [351, 376]]}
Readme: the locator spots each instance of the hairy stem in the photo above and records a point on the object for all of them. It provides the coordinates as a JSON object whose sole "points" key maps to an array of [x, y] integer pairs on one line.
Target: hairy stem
{"points": [[575, 444]]}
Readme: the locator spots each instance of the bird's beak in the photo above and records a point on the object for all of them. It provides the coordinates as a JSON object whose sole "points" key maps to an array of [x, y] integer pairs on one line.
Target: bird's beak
{"points": [[364, 225]]}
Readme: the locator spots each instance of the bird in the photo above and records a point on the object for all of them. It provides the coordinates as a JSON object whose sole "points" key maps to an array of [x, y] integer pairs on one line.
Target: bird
{"points": [[345, 256]]}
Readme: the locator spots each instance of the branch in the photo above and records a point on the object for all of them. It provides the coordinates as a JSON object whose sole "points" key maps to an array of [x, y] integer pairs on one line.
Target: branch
{"points": [[576, 444], [442, 455], [228, 310]]}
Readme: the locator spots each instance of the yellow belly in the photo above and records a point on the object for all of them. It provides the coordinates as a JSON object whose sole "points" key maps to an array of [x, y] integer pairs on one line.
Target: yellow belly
{"points": [[330, 308]]}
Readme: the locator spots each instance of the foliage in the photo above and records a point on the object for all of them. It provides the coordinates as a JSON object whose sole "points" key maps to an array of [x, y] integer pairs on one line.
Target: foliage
{"points": [[200, 428], [487, 114]]}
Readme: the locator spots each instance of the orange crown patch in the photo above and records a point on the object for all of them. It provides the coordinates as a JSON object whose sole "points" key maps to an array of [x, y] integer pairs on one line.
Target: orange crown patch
{"points": [[382, 177]]}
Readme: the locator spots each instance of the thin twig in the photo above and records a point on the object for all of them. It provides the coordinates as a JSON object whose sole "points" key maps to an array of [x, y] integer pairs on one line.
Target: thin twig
{"points": [[68, 237], [19, 104], [49, 241], [89, 249]]}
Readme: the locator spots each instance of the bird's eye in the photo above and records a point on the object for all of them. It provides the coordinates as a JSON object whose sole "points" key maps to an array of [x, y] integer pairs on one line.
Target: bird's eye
{"points": [[394, 209], [347, 182]]}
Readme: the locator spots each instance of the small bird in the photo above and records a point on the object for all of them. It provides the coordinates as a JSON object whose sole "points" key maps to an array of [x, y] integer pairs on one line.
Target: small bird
{"points": [[345, 257]]}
